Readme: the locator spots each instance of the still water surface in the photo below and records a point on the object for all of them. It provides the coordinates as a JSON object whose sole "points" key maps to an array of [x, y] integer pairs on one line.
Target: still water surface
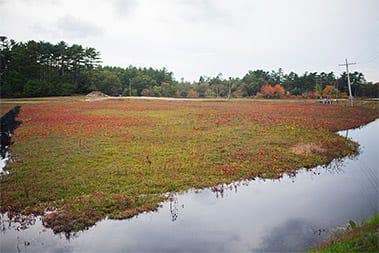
{"points": [[287, 214]]}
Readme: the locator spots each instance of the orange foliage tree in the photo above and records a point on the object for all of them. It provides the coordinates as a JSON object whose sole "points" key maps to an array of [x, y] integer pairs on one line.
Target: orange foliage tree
{"points": [[330, 91], [275, 91], [279, 91]]}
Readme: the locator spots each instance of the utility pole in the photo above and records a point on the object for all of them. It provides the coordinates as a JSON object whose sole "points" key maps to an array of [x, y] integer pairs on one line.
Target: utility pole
{"points": [[229, 88], [348, 78], [130, 89]]}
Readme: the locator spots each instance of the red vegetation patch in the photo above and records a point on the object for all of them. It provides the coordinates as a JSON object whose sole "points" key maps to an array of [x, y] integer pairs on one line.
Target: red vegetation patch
{"points": [[226, 169], [331, 117], [73, 119]]}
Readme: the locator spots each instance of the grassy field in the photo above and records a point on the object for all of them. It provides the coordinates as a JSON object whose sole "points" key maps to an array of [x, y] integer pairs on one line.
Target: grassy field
{"points": [[361, 238], [76, 162]]}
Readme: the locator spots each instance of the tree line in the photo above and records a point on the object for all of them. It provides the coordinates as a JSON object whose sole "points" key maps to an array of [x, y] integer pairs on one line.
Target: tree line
{"points": [[39, 68]]}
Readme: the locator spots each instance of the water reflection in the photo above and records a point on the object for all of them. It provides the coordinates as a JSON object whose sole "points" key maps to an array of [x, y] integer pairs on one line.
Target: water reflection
{"points": [[292, 236], [291, 213], [16, 222]]}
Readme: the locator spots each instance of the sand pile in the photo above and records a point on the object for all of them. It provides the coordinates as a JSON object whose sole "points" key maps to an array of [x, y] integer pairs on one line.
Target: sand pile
{"points": [[96, 94]]}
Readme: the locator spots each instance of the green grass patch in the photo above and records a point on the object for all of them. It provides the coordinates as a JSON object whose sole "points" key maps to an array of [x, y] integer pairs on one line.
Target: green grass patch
{"points": [[354, 238]]}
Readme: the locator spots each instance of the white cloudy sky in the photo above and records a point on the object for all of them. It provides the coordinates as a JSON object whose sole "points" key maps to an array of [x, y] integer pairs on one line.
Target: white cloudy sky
{"points": [[206, 37]]}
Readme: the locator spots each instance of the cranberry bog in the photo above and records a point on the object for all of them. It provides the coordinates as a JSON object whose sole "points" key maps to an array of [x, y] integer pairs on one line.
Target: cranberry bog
{"points": [[75, 162]]}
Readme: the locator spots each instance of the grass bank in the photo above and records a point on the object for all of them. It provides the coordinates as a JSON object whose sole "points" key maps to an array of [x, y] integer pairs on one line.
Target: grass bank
{"points": [[76, 162], [354, 238]]}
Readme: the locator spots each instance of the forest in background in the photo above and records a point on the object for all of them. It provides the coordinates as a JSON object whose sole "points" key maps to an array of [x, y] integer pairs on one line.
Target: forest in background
{"points": [[39, 68]]}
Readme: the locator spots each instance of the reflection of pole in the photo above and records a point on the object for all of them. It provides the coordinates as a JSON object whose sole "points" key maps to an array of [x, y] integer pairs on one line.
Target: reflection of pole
{"points": [[347, 133], [348, 78]]}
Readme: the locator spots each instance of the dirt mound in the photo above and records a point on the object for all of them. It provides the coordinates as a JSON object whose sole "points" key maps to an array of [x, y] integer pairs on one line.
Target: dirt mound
{"points": [[305, 149], [93, 94]]}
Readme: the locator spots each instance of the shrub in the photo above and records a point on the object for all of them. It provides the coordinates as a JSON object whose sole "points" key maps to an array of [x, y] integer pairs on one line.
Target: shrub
{"points": [[276, 91], [330, 91]]}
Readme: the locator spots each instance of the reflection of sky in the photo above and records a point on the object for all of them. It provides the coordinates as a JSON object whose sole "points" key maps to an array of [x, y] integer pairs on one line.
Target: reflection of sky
{"points": [[3, 162], [287, 214]]}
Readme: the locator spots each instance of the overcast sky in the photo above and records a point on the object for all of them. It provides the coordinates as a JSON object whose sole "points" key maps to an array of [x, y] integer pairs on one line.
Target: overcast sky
{"points": [[207, 37]]}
